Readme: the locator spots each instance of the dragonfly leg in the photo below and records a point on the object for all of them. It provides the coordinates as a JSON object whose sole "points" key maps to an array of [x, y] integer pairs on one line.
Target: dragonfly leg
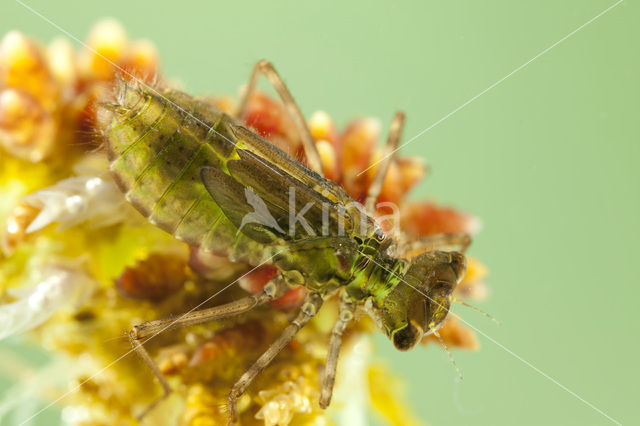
{"points": [[266, 68], [274, 289], [388, 154], [433, 242], [345, 316], [310, 307]]}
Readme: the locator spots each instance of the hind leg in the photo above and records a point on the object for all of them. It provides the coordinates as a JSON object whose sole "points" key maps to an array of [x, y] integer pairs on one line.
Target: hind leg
{"points": [[274, 289], [388, 154], [434, 242], [266, 68]]}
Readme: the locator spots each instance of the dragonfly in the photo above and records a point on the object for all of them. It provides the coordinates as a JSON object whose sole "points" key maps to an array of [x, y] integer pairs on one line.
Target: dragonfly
{"points": [[203, 176]]}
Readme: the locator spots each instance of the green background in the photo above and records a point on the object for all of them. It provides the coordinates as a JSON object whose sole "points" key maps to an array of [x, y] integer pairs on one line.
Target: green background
{"points": [[548, 159]]}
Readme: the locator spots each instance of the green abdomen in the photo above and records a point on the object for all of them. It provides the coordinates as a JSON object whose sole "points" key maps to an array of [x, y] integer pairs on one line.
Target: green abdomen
{"points": [[156, 149]]}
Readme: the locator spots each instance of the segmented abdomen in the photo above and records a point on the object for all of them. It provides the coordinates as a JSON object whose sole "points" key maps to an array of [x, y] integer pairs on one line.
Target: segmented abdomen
{"points": [[157, 146]]}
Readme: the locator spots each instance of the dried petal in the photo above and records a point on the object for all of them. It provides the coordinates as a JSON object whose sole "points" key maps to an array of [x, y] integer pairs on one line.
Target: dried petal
{"points": [[329, 160], [357, 142], [173, 359], [412, 169], [54, 288], [224, 103], [392, 188], [472, 285], [27, 130], [226, 351], [281, 403], [23, 66], [63, 65], [290, 299], [271, 121], [428, 218], [141, 59], [322, 128], [154, 278], [255, 281], [106, 45], [15, 231], [78, 199]]}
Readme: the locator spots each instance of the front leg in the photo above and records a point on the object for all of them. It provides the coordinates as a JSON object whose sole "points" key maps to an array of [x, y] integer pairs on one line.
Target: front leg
{"points": [[310, 307], [345, 316]]}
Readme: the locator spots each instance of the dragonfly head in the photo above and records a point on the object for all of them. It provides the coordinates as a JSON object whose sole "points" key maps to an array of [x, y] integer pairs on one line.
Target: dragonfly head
{"points": [[419, 304]]}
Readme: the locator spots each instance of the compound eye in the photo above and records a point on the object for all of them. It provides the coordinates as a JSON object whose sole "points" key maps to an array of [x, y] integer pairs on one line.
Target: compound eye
{"points": [[406, 337]]}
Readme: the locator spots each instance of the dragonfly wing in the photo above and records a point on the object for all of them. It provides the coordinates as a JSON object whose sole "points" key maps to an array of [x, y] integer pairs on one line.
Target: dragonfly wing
{"points": [[259, 213], [301, 202], [272, 155], [249, 213]]}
